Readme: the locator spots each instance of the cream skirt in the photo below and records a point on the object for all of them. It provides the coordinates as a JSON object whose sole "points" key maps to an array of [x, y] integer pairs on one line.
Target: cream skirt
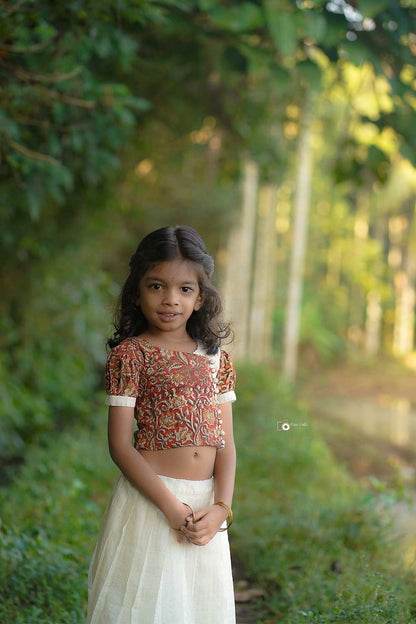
{"points": [[141, 574]]}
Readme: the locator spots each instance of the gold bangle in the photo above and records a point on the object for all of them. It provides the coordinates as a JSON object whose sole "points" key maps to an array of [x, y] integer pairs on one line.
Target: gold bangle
{"points": [[193, 517], [192, 511], [230, 516]]}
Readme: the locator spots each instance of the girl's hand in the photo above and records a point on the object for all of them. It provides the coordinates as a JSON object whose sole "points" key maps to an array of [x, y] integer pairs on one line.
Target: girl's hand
{"points": [[206, 525], [176, 517]]}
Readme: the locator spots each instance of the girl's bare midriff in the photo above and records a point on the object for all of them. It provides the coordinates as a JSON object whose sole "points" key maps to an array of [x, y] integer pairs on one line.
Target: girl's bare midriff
{"points": [[186, 462]]}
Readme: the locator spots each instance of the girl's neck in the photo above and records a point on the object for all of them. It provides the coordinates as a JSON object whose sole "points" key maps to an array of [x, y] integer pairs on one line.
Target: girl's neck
{"points": [[172, 342]]}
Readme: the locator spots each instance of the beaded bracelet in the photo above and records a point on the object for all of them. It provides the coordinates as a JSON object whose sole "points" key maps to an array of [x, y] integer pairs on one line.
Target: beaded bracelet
{"points": [[230, 516]]}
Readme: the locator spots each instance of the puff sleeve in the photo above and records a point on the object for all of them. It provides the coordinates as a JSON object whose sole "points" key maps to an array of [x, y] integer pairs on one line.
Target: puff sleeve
{"points": [[122, 375], [226, 379]]}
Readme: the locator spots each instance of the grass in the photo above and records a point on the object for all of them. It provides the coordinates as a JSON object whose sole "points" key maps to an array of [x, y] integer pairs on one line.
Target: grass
{"points": [[50, 519], [304, 529]]}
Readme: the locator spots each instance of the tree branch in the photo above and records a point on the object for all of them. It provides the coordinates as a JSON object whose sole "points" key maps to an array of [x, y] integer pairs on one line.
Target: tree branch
{"points": [[32, 48], [13, 9], [67, 99], [54, 78], [30, 153], [26, 121]]}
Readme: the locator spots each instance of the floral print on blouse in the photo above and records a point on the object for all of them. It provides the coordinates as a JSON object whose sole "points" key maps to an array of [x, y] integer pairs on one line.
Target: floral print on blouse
{"points": [[175, 395]]}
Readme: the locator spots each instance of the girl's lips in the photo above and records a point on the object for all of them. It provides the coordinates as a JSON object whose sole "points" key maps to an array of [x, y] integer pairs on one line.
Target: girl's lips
{"points": [[166, 316]]}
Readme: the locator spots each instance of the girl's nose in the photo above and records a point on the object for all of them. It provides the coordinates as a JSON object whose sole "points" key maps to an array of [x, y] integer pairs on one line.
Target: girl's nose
{"points": [[170, 298]]}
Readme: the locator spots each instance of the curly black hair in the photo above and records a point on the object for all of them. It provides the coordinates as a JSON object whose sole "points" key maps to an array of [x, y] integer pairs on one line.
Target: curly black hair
{"points": [[204, 325]]}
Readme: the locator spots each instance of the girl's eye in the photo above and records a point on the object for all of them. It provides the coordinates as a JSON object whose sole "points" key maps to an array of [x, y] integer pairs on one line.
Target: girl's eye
{"points": [[187, 289], [155, 286]]}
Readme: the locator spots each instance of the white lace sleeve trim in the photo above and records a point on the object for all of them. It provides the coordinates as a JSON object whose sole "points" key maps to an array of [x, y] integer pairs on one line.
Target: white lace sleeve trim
{"points": [[120, 401], [213, 359], [215, 362], [227, 396]]}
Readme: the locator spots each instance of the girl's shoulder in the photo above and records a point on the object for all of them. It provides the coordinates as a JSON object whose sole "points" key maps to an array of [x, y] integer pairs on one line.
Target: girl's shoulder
{"points": [[220, 360], [226, 361], [129, 347]]}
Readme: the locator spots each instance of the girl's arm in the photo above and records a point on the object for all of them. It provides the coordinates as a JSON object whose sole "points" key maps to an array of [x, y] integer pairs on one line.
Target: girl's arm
{"points": [[137, 470], [210, 519], [225, 462]]}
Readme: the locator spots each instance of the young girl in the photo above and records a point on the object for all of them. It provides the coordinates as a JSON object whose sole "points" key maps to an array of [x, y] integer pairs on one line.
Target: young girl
{"points": [[162, 556]]}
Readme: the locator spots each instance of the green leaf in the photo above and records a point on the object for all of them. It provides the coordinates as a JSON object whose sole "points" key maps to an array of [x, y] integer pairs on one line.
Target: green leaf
{"points": [[282, 27], [310, 73], [34, 204], [281, 76], [137, 103], [207, 5], [356, 52], [371, 8], [104, 47], [243, 18], [233, 60], [9, 126], [399, 87], [315, 26], [335, 33]]}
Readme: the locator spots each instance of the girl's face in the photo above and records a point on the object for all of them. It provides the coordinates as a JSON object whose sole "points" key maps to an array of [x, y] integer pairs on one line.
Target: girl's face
{"points": [[168, 294]]}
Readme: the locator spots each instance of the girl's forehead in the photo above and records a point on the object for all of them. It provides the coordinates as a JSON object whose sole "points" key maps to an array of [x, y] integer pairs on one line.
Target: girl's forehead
{"points": [[179, 269]]}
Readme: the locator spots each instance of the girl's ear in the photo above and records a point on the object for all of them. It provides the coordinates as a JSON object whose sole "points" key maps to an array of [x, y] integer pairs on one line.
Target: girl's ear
{"points": [[198, 303]]}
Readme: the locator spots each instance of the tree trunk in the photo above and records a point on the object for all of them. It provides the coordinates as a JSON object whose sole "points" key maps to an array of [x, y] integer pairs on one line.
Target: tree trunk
{"points": [[374, 310], [237, 282], [373, 324], [405, 314], [262, 299], [404, 281], [302, 204], [358, 300]]}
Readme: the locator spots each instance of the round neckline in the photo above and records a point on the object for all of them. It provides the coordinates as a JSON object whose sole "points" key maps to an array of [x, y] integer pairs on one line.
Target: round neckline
{"points": [[197, 350]]}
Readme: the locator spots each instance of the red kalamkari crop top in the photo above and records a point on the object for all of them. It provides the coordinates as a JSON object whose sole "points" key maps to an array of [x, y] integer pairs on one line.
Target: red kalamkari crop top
{"points": [[175, 395]]}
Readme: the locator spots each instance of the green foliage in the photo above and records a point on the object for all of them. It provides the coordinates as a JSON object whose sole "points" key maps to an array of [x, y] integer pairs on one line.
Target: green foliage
{"points": [[41, 576], [53, 336], [244, 17], [321, 326], [282, 26], [50, 519], [306, 533], [370, 8], [63, 115]]}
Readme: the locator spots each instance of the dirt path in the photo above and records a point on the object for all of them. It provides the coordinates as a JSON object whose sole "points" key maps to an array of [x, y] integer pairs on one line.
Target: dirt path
{"points": [[384, 378], [368, 419], [246, 595], [379, 405]]}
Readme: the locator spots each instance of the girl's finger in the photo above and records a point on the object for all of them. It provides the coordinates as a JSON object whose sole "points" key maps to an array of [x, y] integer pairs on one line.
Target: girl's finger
{"points": [[193, 531], [190, 526], [198, 515], [196, 528]]}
